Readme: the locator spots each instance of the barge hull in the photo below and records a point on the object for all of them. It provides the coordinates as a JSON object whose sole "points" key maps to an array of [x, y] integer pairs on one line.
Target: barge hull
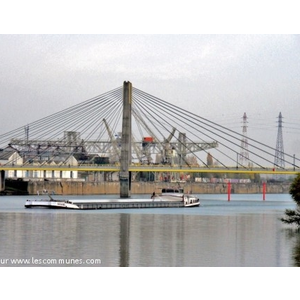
{"points": [[120, 205], [111, 203]]}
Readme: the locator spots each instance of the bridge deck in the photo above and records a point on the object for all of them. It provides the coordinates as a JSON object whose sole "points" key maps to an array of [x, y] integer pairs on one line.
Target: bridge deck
{"points": [[152, 168]]}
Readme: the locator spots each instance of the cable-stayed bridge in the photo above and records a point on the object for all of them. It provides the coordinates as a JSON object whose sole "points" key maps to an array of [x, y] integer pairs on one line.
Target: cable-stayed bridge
{"points": [[163, 138]]}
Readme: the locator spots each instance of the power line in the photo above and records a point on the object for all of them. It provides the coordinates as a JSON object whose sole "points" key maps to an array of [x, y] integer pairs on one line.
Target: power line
{"points": [[244, 153], [279, 152]]}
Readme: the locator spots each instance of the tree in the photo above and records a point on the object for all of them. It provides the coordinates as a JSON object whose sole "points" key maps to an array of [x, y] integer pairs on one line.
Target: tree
{"points": [[293, 216]]}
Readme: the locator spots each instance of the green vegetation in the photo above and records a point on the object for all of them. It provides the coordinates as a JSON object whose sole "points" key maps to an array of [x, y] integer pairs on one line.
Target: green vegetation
{"points": [[293, 216]]}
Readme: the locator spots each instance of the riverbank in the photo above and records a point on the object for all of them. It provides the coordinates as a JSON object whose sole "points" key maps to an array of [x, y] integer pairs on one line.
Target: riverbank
{"points": [[113, 188]]}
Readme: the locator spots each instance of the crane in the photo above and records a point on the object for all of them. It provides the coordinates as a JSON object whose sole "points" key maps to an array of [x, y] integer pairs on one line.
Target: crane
{"points": [[114, 143]]}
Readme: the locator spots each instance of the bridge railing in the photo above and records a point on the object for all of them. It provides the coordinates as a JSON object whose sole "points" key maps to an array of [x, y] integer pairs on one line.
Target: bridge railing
{"points": [[149, 168]]}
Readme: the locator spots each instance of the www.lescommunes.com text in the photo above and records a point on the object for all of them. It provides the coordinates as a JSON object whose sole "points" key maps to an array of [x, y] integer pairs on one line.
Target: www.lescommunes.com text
{"points": [[50, 261]]}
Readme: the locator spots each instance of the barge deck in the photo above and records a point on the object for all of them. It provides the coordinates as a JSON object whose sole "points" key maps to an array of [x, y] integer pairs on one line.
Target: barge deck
{"points": [[155, 202]]}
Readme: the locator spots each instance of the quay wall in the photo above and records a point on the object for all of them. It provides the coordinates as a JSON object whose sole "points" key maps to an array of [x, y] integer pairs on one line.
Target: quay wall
{"points": [[113, 188]]}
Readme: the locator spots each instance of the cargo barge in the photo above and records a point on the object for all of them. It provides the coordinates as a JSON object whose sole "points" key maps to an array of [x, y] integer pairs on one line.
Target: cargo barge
{"points": [[166, 199]]}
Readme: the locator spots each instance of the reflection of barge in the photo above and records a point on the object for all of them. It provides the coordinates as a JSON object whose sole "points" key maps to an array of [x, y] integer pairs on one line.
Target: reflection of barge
{"points": [[165, 199]]}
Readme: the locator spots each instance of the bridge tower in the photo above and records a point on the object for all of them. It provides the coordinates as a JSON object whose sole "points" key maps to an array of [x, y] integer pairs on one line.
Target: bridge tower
{"points": [[125, 175], [279, 152], [244, 153]]}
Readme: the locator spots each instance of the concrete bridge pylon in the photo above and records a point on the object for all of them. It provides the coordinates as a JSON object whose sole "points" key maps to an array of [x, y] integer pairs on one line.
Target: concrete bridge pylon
{"points": [[125, 174], [2, 180]]}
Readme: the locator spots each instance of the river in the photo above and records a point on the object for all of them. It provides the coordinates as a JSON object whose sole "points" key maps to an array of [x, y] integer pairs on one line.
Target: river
{"points": [[243, 232]]}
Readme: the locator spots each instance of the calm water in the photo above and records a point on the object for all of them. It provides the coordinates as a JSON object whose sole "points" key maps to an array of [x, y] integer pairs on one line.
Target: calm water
{"points": [[243, 232]]}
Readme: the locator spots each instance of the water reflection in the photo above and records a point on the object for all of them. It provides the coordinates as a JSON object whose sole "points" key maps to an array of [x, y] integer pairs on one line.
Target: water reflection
{"points": [[124, 239], [184, 240], [60, 237]]}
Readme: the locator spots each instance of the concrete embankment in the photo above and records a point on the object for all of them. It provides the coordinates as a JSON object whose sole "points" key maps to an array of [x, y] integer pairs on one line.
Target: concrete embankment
{"points": [[105, 188]]}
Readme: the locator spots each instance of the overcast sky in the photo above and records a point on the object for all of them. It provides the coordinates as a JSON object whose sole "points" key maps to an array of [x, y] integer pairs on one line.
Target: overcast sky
{"points": [[216, 76]]}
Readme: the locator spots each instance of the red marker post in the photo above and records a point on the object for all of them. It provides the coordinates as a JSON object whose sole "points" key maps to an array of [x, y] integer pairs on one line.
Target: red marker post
{"points": [[228, 190], [264, 191]]}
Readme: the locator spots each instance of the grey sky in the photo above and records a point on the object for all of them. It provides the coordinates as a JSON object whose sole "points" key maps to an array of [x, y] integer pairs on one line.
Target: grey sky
{"points": [[218, 77]]}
